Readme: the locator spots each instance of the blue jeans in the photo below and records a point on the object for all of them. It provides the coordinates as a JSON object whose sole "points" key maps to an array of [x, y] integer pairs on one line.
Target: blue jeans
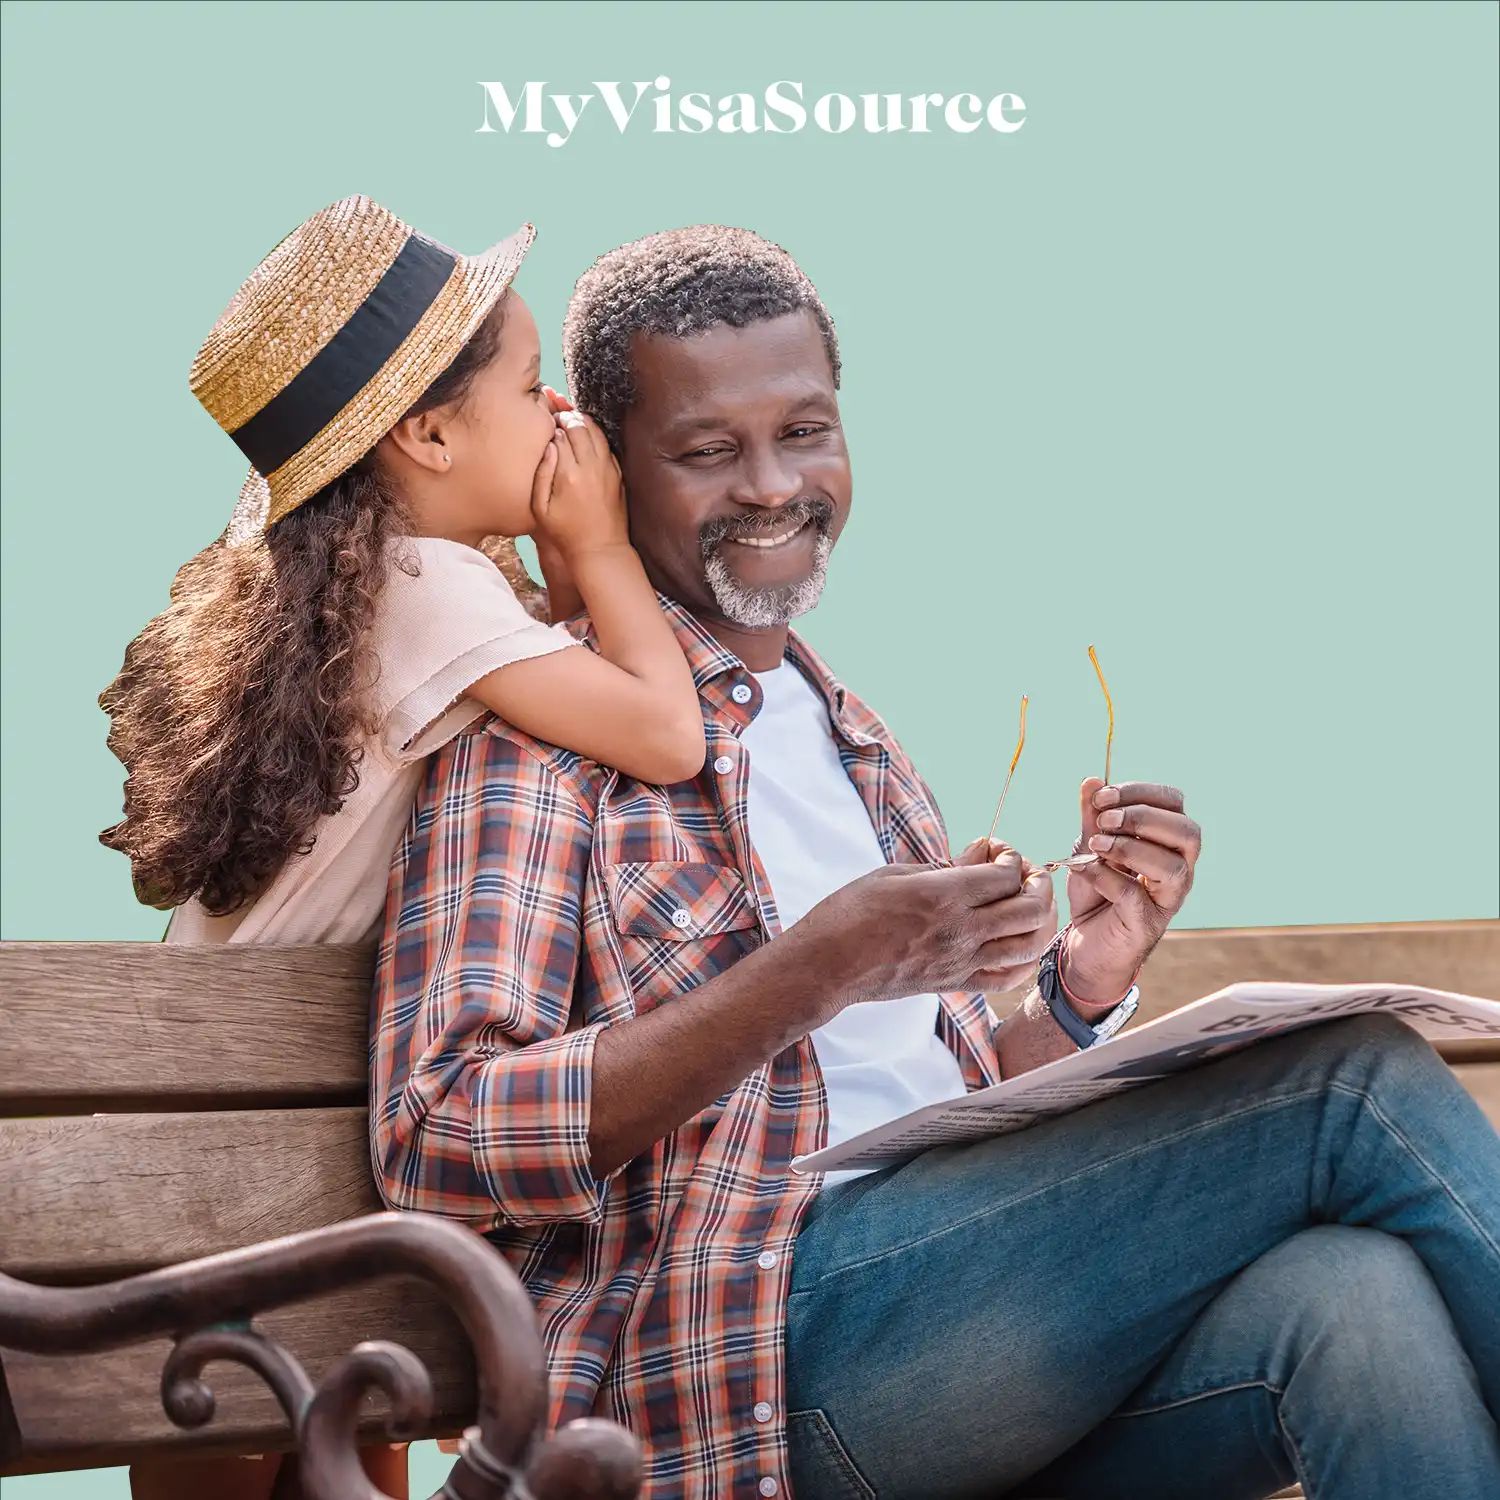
{"points": [[1281, 1267]]}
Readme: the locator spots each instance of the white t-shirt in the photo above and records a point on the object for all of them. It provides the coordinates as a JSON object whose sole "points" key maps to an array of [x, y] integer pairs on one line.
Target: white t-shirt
{"points": [[434, 635], [813, 834]]}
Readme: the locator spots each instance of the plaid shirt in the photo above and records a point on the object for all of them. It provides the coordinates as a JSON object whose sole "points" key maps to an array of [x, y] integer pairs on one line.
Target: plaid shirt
{"points": [[538, 898]]}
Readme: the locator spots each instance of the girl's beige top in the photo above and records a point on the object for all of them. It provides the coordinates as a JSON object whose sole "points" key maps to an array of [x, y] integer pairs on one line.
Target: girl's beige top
{"points": [[434, 635]]}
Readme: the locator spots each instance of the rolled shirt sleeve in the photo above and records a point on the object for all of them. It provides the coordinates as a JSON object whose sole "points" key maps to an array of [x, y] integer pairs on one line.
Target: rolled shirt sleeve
{"points": [[481, 1084], [445, 618]]}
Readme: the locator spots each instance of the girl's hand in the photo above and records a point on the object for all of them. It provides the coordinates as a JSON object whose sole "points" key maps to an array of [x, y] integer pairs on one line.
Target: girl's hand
{"points": [[577, 499]]}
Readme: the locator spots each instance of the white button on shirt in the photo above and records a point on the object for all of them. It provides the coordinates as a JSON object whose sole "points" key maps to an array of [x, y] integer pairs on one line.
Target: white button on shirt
{"points": [[741, 693], [682, 917], [723, 765], [769, 1487], [763, 1411], [766, 1259]]}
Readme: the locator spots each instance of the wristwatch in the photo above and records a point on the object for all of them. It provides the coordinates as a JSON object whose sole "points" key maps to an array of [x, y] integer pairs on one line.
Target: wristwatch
{"points": [[1084, 1033]]}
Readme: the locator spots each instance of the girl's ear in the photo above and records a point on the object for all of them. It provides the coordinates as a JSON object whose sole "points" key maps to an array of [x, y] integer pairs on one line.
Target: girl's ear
{"points": [[421, 440]]}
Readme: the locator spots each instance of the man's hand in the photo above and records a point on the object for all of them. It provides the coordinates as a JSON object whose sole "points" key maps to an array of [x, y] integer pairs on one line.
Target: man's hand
{"points": [[979, 924], [1147, 848]]}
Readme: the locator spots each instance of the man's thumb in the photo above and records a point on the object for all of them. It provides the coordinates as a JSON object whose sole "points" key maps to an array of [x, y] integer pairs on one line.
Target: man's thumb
{"points": [[983, 852], [1088, 813]]}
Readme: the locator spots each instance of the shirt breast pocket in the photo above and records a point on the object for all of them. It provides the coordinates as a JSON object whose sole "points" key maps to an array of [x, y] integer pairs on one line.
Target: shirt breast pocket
{"points": [[678, 924]]}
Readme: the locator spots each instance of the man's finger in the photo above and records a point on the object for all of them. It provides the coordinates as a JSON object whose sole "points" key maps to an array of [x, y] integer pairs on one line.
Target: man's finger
{"points": [[557, 401], [1026, 913], [1164, 866], [983, 851], [977, 853], [1172, 829], [1019, 952], [1110, 885], [995, 880], [996, 981], [1124, 792], [1088, 812]]}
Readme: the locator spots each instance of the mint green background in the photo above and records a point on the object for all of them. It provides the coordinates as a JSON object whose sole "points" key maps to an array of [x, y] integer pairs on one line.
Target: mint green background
{"points": [[1200, 366]]}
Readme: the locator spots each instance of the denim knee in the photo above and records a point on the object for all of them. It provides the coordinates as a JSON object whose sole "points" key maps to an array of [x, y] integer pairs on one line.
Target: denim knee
{"points": [[1361, 1315], [1368, 1046]]}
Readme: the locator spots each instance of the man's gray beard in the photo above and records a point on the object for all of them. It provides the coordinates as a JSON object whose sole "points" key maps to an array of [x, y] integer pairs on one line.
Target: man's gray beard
{"points": [[759, 609]]}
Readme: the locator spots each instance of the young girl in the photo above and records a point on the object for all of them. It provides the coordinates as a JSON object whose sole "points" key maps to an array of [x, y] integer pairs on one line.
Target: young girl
{"points": [[274, 719]]}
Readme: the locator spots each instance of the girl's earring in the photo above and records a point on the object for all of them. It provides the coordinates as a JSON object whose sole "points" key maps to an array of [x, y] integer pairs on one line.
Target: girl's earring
{"points": [[447, 458]]}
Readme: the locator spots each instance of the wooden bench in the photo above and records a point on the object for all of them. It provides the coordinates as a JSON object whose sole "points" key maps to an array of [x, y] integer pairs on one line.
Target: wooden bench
{"points": [[162, 1103]]}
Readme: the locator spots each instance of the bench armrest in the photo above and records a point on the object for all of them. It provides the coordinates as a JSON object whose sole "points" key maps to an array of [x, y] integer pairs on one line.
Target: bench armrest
{"points": [[207, 1306]]}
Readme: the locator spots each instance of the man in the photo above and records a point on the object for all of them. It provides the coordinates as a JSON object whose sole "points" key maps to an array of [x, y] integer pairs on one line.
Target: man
{"points": [[609, 1015]]}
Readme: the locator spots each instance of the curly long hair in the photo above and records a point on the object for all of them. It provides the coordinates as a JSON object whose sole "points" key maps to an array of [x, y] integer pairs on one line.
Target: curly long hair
{"points": [[241, 711]]}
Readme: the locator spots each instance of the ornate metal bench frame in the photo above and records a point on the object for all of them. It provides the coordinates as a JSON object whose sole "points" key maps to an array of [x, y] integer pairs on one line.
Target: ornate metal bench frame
{"points": [[208, 1307]]}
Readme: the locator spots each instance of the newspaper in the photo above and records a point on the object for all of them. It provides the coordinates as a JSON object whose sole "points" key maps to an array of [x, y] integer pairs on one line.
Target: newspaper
{"points": [[1220, 1023]]}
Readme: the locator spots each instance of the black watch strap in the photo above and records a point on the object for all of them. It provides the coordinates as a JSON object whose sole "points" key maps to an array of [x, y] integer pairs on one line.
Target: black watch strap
{"points": [[1057, 1002]]}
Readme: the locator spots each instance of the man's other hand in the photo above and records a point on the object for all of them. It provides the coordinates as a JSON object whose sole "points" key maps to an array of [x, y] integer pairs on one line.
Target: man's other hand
{"points": [[978, 924], [1148, 849]]}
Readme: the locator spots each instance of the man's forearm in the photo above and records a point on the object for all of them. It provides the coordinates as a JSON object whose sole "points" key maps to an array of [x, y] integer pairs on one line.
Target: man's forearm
{"points": [[656, 1071]]}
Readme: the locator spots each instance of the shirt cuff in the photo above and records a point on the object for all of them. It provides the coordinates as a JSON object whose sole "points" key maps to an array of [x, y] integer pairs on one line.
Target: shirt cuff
{"points": [[529, 1129], [437, 708]]}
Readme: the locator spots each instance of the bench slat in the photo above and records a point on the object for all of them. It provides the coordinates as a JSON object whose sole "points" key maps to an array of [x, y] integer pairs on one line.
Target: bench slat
{"points": [[83, 1411], [1460, 956], [241, 1025], [89, 1198], [114, 1025], [208, 1032], [103, 1196], [1483, 1081]]}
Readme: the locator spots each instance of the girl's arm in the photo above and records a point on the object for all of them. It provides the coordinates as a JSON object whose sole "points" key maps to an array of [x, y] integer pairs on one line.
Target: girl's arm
{"points": [[633, 706], [563, 599]]}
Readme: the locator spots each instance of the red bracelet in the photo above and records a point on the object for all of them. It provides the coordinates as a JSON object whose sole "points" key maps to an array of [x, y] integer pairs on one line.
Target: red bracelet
{"points": [[1073, 999]]}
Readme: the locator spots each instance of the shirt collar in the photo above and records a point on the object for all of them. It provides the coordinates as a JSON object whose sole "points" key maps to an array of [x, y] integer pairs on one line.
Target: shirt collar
{"points": [[707, 657], [716, 669], [852, 719]]}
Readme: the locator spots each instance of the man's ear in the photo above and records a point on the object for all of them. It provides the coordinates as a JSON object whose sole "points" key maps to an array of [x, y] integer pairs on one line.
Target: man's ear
{"points": [[421, 440]]}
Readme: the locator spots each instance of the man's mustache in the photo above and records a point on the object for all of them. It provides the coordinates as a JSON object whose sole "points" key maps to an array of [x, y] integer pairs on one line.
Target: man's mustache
{"points": [[731, 528]]}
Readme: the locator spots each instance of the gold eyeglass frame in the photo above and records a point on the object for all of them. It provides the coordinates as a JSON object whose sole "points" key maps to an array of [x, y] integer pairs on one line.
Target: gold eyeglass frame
{"points": [[1072, 861]]}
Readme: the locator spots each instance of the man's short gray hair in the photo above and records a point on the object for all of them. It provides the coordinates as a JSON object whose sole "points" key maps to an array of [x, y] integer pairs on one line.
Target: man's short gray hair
{"points": [[679, 282]]}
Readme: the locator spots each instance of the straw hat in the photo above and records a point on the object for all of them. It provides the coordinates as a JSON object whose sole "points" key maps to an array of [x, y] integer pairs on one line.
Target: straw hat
{"points": [[332, 339]]}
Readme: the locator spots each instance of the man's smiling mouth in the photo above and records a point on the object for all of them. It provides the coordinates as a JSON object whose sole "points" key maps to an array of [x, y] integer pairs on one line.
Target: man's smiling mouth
{"points": [[775, 539]]}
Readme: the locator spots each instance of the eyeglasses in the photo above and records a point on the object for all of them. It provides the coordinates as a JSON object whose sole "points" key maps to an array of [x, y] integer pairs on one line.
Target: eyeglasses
{"points": [[1073, 861]]}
